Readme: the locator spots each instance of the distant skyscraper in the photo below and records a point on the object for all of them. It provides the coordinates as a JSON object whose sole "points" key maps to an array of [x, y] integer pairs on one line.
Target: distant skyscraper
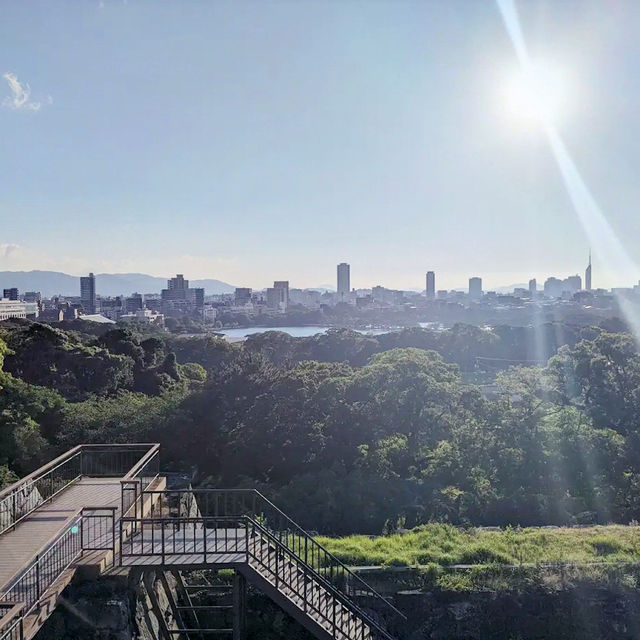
{"points": [[573, 284], [32, 296], [431, 285], [344, 278], [283, 287], [180, 298], [178, 283], [475, 288], [533, 287], [242, 296], [10, 294], [197, 297], [278, 295], [587, 274], [88, 293], [134, 302]]}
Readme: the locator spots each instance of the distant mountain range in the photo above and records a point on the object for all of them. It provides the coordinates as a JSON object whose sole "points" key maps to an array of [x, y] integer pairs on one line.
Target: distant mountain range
{"points": [[51, 283]]}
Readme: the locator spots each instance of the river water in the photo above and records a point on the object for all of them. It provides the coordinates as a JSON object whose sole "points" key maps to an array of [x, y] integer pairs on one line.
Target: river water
{"points": [[296, 332]]}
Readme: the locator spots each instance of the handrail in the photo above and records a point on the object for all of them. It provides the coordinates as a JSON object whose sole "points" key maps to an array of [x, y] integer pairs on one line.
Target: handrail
{"points": [[154, 450], [336, 593], [24, 497], [339, 562], [112, 460], [33, 588], [256, 510], [160, 546], [34, 475], [70, 543], [68, 455], [11, 623], [12, 609]]}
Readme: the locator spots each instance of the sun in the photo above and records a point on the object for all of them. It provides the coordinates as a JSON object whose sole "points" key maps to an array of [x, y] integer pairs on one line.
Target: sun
{"points": [[537, 92]]}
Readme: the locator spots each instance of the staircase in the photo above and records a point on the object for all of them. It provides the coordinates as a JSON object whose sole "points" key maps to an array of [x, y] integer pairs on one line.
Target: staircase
{"points": [[138, 524], [304, 593], [270, 550]]}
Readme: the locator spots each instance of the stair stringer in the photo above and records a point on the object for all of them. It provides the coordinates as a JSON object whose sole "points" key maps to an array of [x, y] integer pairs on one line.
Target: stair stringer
{"points": [[288, 606]]}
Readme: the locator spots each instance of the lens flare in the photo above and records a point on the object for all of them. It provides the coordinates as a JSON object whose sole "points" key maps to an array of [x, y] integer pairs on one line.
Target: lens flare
{"points": [[537, 91], [601, 235]]}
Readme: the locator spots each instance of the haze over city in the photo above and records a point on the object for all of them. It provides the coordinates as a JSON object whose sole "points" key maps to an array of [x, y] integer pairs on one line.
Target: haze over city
{"points": [[319, 319], [276, 142]]}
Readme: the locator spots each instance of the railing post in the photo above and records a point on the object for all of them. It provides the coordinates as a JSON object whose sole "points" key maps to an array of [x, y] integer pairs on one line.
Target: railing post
{"points": [[162, 539], [305, 579], [277, 563], [334, 615], [38, 580], [82, 531], [204, 538], [113, 535], [135, 506], [246, 538]]}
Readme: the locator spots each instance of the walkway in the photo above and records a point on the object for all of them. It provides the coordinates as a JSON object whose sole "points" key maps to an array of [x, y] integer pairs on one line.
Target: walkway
{"points": [[30, 536], [105, 507]]}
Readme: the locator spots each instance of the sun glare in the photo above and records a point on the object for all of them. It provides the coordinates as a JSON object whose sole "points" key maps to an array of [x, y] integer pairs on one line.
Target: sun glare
{"points": [[536, 92]]}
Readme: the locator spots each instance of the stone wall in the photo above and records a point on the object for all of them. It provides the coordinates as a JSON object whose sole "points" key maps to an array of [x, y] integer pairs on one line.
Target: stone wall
{"points": [[137, 608], [132, 607], [580, 613]]}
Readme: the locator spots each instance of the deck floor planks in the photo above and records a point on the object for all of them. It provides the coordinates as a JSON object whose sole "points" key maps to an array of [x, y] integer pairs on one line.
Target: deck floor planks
{"points": [[18, 546]]}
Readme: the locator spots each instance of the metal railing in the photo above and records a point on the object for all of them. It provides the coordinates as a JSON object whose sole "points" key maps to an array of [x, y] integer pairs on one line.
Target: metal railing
{"points": [[139, 478], [169, 538], [92, 529], [240, 502], [111, 460], [337, 613], [30, 585], [226, 539], [11, 621], [98, 529], [26, 495]]}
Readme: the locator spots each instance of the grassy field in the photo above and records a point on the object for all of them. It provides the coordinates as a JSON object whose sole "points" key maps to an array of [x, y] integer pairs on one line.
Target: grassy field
{"points": [[446, 546]]}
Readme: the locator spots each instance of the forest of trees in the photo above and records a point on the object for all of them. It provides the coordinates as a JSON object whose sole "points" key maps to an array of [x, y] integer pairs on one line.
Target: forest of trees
{"points": [[349, 433]]}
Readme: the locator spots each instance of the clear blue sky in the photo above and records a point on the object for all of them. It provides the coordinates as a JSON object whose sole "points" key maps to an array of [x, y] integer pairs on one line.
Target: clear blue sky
{"points": [[271, 140]]}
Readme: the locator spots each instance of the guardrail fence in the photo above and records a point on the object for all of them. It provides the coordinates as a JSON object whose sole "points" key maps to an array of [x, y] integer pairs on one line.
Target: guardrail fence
{"points": [[98, 460], [11, 621]]}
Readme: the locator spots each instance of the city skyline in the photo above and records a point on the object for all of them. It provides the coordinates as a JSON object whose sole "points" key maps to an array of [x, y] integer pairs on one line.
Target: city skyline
{"points": [[368, 134], [343, 283]]}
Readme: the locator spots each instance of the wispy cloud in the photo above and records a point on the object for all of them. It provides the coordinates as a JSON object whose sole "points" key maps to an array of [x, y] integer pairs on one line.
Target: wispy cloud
{"points": [[7, 249], [20, 98]]}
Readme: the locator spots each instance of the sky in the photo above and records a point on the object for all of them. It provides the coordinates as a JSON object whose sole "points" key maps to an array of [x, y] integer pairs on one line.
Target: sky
{"points": [[261, 141]]}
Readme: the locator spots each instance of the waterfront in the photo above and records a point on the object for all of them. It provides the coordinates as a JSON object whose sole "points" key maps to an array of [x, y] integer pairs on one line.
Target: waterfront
{"points": [[296, 332]]}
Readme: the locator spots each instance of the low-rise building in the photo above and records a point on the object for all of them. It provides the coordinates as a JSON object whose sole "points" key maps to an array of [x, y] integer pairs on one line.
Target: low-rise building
{"points": [[12, 309], [144, 315]]}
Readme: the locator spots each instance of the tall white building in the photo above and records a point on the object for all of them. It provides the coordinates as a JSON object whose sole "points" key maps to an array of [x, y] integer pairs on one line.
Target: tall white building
{"points": [[431, 285], [475, 288], [587, 275], [344, 278]]}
